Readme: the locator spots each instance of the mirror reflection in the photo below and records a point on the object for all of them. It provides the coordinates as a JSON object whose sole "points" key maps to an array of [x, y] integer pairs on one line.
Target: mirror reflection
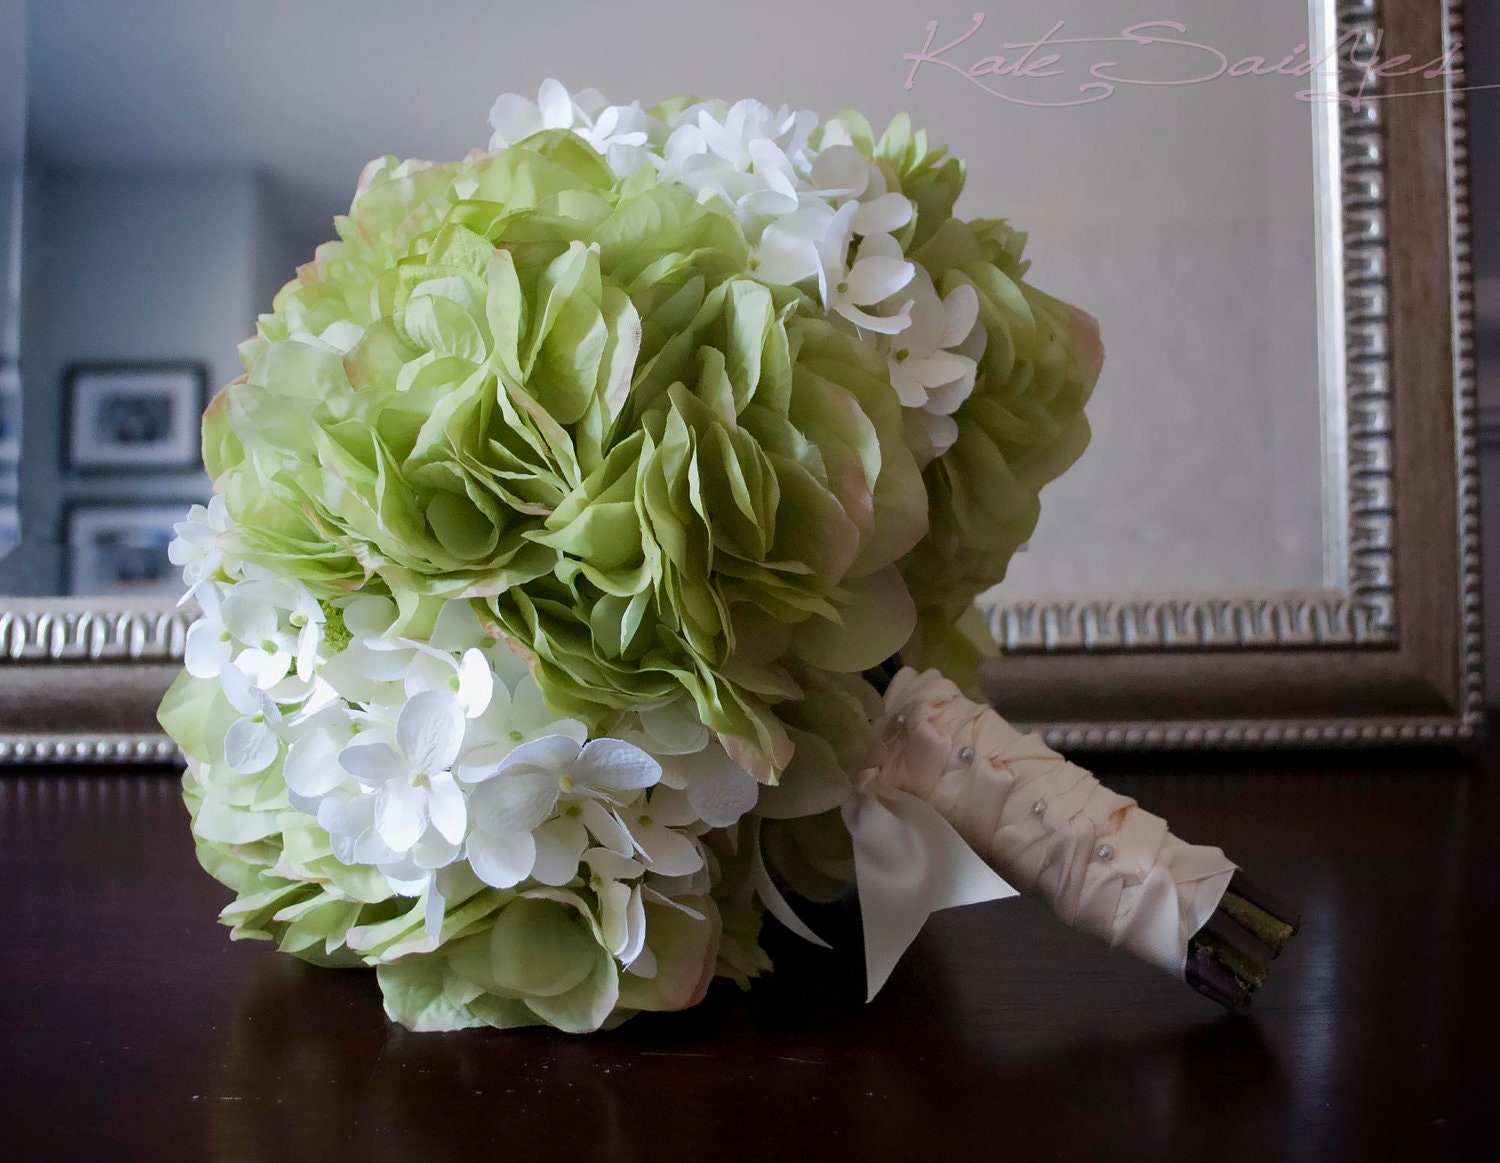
{"points": [[181, 160]]}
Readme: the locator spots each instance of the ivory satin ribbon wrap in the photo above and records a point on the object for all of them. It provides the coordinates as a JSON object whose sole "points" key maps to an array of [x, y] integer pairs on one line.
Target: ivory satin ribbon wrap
{"points": [[962, 799]]}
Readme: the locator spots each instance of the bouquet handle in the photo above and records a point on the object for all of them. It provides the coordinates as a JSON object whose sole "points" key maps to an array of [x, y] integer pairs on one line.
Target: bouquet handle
{"points": [[1102, 863]]}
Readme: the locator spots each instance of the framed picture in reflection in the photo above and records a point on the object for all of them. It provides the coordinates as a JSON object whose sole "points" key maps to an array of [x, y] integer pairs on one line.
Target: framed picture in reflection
{"points": [[124, 416], [121, 550]]}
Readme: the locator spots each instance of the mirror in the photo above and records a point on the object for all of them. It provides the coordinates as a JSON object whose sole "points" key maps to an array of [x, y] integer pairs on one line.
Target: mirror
{"points": [[181, 161], [12, 180]]}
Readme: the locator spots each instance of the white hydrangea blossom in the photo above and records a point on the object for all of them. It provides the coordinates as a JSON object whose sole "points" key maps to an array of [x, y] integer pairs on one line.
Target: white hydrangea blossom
{"points": [[820, 216], [437, 760]]}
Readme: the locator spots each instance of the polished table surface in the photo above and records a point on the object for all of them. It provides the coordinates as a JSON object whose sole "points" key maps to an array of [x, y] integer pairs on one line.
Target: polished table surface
{"points": [[131, 1027]]}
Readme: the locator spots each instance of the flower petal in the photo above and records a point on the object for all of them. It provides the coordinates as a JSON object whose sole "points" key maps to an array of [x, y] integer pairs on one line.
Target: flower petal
{"points": [[445, 808], [250, 746], [502, 860], [614, 920], [249, 620], [207, 649], [369, 615], [476, 683], [241, 693], [312, 764], [720, 790], [878, 277], [883, 214], [559, 848], [635, 928], [551, 753], [667, 852], [374, 764], [611, 865], [516, 802], [961, 312], [614, 765], [430, 730], [606, 827], [400, 814]]}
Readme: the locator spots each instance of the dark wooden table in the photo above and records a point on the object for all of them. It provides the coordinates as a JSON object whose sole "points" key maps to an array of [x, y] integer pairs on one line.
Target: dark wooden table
{"points": [[130, 1026]]}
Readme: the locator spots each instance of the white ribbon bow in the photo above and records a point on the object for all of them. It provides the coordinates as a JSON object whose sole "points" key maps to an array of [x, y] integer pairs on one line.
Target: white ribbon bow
{"points": [[909, 863]]}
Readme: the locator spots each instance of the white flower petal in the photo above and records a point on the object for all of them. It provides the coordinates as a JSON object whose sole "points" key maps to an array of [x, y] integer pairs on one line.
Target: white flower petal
{"points": [[445, 808], [947, 398], [555, 105], [476, 683], [312, 763], [650, 894], [667, 852], [877, 277], [606, 827], [614, 921], [427, 670], [840, 170], [941, 430], [613, 866], [635, 927], [671, 806], [880, 324], [514, 802], [719, 789], [242, 695], [400, 814], [551, 753], [433, 850], [504, 860], [430, 730], [248, 619], [614, 765], [883, 214], [961, 311], [250, 746], [207, 649], [264, 668], [513, 119], [375, 663], [369, 615], [559, 847], [375, 764]]}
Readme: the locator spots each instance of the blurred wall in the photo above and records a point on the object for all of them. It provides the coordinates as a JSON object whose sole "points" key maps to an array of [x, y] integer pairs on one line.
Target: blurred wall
{"points": [[184, 244]]}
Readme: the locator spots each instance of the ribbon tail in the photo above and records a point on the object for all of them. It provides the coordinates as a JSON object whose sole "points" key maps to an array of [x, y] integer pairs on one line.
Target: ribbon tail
{"points": [[770, 895], [909, 863]]}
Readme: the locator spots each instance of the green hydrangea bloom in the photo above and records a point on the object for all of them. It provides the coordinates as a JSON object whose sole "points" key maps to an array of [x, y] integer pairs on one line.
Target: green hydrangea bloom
{"points": [[1021, 428], [522, 381]]}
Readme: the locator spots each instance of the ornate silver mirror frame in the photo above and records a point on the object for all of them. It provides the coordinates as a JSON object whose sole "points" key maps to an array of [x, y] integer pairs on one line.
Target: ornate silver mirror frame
{"points": [[1389, 650]]}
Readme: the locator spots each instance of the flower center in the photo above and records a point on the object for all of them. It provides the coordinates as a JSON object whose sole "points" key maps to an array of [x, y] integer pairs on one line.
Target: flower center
{"points": [[268, 646], [902, 354], [565, 783], [842, 288], [516, 736], [453, 683]]}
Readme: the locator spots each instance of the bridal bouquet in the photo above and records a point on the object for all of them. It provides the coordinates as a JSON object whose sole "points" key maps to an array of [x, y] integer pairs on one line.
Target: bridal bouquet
{"points": [[566, 510]]}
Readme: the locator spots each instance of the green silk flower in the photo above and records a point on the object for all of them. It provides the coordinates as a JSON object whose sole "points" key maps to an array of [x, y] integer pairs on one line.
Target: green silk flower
{"points": [[1022, 426], [522, 381]]}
